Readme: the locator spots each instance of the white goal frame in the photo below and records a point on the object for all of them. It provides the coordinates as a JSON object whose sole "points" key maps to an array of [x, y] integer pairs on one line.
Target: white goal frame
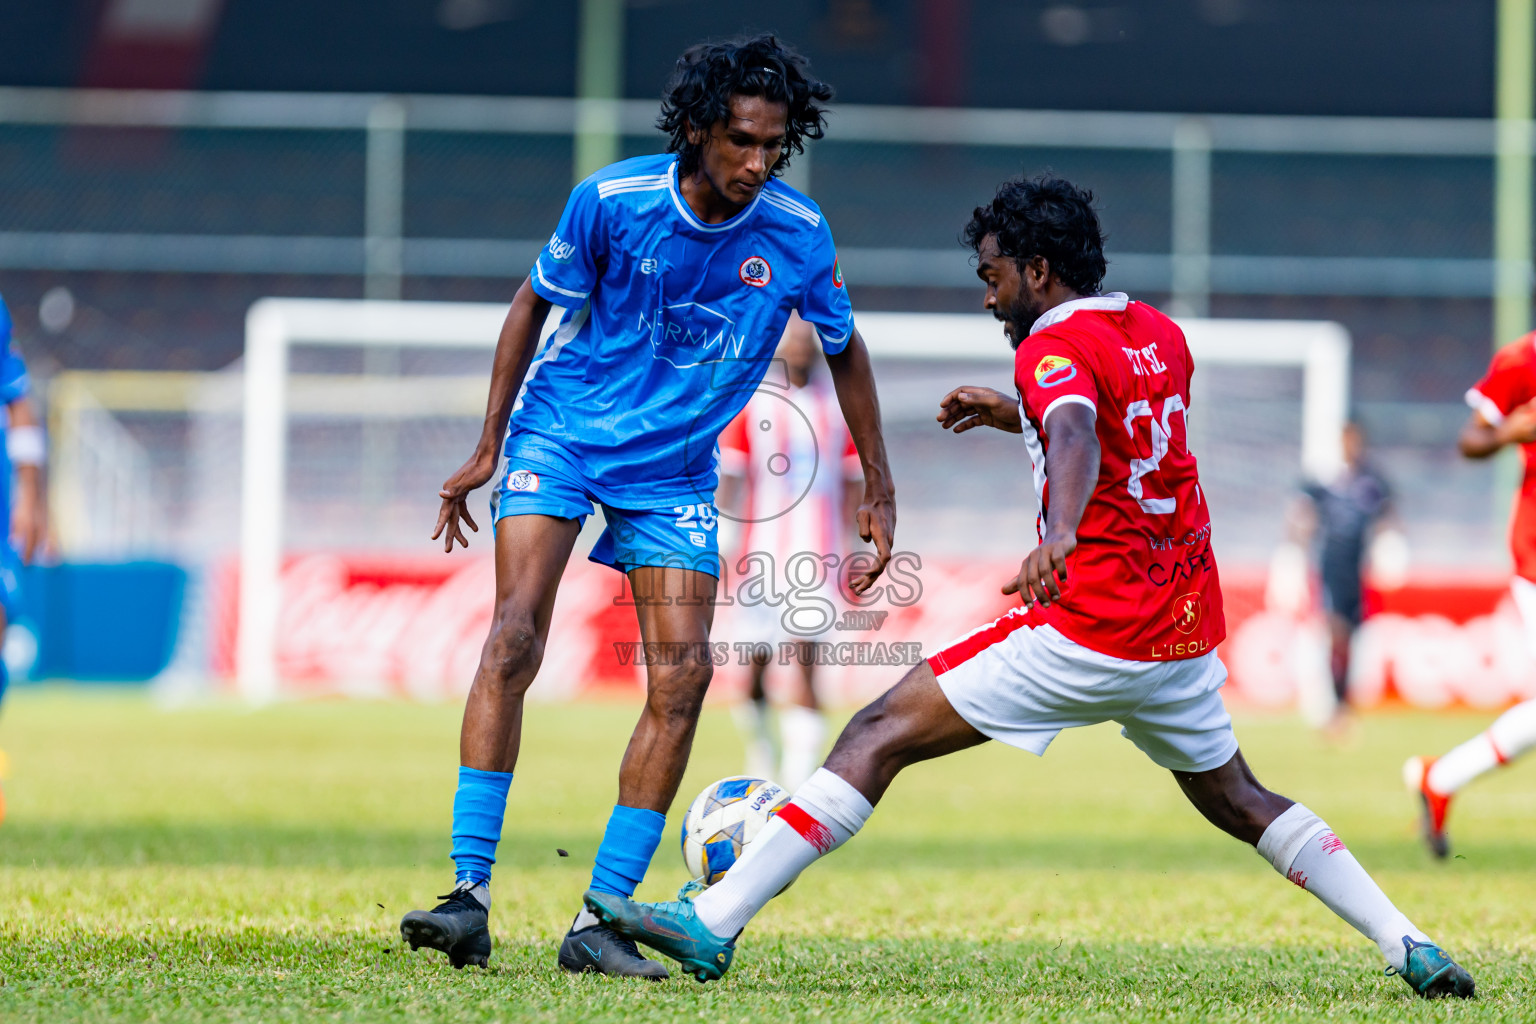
{"points": [[1320, 349]]}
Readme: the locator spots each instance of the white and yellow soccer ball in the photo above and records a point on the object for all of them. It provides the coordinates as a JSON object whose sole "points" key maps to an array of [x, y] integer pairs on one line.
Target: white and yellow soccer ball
{"points": [[723, 819]]}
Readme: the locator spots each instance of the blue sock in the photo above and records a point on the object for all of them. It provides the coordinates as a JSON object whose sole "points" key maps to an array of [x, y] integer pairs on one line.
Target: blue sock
{"points": [[5, 679], [478, 807], [628, 844]]}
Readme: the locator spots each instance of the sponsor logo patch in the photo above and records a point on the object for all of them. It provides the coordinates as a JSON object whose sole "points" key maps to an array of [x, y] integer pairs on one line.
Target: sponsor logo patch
{"points": [[522, 480], [1054, 370], [560, 250], [755, 271], [1186, 612], [837, 274]]}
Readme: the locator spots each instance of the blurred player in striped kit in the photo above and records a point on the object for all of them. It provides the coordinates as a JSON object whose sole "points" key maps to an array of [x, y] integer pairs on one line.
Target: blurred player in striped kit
{"points": [[26, 515], [790, 474], [1503, 413]]}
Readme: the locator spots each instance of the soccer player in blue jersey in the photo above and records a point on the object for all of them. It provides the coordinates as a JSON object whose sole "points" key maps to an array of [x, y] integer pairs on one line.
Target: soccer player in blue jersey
{"points": [[23, 521], [677, 274]]}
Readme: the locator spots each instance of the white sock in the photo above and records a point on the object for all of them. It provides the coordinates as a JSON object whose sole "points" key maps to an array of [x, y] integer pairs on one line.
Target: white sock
{"points": [[585, 919], [802, 734], [824, 814], [1512, 734], [752, 720], [1304, 849], [481, 892]]}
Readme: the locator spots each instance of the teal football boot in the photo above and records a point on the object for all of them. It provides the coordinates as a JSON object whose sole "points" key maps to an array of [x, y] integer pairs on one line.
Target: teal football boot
{"points": [[1432, 973], [672, 928]]}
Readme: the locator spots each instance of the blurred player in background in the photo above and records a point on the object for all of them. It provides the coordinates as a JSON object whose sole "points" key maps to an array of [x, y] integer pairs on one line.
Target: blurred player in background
{"points": [[1503, 413], [25, 510], [1123, 606], [1341, 522], [676, 273], [790, 474]]}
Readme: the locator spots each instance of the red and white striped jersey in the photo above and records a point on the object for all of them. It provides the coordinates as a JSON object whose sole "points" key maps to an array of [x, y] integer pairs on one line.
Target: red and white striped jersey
{"points": [[796, 454]]}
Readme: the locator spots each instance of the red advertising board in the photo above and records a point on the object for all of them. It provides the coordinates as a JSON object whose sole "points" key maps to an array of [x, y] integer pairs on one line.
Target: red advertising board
{"points": [[413, 627]]}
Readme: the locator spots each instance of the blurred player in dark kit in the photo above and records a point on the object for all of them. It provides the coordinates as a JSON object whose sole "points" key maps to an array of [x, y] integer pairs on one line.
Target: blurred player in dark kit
{"points": [[1338, 520]]}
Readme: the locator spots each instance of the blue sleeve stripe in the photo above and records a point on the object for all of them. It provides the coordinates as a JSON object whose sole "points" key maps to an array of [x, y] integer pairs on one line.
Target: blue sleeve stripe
{"points": [[554, 287]]}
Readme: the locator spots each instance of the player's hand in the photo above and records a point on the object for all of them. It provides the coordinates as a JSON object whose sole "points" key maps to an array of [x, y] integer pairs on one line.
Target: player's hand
{"points": [[967, 407], [1519, 427], [455, 494], [1043, 570], [877, 525]]}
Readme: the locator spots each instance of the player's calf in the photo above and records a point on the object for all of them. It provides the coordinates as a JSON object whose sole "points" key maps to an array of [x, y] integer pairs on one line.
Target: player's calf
{"points": [[1301, 847]]}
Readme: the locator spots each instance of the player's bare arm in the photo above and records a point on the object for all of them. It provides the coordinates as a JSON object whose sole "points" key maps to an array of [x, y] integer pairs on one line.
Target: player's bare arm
{"points": [[1072, 466], [514, 351], [29, 513], [855, 383], [967, 407], [1480, 439]]}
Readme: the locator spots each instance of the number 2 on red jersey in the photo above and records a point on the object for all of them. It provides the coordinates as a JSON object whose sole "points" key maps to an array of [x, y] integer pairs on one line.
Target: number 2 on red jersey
{"points": [[1162, 433]]}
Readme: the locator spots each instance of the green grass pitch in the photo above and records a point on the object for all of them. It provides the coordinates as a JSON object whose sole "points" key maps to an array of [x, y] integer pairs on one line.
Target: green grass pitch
{"points": [[222, 864]]}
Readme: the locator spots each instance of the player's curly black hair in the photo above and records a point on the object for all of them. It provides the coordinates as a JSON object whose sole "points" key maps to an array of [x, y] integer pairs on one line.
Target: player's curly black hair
{"points": [[709, 74], [1049, 217]]}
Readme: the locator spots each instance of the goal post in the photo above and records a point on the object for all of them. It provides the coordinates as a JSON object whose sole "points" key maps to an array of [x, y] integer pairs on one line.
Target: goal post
{"points": [[968, 343], [272, 327]]}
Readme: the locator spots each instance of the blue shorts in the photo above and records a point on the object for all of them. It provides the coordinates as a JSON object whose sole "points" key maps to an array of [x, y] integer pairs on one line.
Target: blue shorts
{"points": [[678, 536], [10, 581]]}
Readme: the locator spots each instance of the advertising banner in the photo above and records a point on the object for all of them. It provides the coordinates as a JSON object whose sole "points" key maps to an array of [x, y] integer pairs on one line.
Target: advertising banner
{"points": [[390, 625]]}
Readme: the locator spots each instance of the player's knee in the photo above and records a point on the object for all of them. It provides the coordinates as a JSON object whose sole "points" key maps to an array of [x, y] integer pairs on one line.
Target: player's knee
{"points": [[875, 736], [513, 652], [675, 693]]}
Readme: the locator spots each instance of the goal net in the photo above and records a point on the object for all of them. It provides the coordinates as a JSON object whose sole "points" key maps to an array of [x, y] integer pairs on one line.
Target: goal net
{"points": [[347, 416]]}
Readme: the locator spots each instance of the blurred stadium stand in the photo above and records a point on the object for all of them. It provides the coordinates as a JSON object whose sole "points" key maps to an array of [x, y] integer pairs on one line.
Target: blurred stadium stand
{"points": [[166, 215]]}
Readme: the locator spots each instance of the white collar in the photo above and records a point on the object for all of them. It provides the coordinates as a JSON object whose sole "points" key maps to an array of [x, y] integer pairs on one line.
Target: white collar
{"points": [[1113, 302], [683, 208]]}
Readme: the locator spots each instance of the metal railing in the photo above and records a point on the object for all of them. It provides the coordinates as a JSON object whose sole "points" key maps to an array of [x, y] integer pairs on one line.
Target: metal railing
{"points": [[384, 252]]}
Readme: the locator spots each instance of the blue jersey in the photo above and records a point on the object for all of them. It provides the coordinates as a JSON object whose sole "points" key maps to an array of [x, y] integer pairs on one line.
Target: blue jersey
{"points": [[669, 326], [14, 383], [13, 372]]}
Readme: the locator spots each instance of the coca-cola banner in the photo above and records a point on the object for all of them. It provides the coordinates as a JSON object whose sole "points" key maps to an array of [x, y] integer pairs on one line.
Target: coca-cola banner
{"points": [[386, 625]]}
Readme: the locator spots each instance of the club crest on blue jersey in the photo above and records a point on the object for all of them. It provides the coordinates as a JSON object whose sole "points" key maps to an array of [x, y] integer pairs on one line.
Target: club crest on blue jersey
{"points": [[523, 480], [755, 271]]}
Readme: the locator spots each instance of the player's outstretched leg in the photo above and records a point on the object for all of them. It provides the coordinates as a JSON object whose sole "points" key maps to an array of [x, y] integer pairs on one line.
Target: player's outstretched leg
{"points": [[1302, 847], [531, 551], [1436, 780], [912, 722]]}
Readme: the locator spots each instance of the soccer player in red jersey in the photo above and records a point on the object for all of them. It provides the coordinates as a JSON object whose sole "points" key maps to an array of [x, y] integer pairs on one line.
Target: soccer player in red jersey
{"points": [[1503, 413], [1122, 609]]}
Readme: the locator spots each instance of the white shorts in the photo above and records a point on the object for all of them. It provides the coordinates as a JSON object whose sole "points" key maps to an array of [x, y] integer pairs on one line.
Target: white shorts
{"points": [[1524, 593], [1023, 685], [765, 623]]}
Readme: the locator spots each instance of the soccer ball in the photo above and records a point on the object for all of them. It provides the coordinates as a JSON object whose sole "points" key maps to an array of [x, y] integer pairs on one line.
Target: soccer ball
{"points": [[723, 819]]}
